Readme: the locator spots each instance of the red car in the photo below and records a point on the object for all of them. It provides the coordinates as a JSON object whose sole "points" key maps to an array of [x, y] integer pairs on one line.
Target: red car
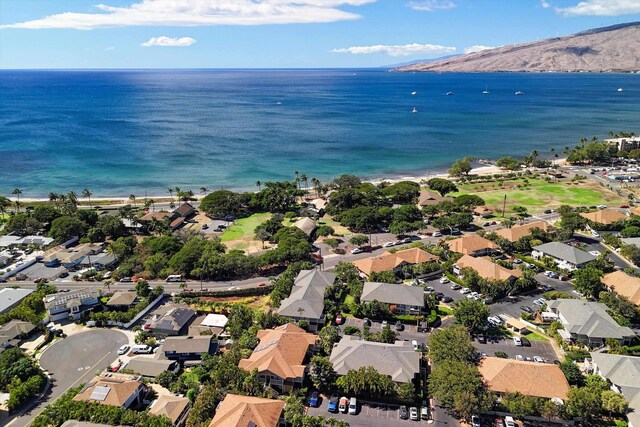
{"points": [[499, 422], [262, 285], [624, 206], [339, 319]]}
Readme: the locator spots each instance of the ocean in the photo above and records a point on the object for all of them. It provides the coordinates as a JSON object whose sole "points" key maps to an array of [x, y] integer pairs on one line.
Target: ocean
{"points": [[129, 131]]}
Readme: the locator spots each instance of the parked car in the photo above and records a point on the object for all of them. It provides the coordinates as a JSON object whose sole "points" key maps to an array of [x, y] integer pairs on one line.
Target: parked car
{"points": [[356, 251], [498, 422], [447, 299], [465, 291], [519, 357], [353, 406], [517, 341], [385, 324], [63, 274], [124, 349], [388, 245], [339, 319], [444, 279], [399, 326], [525, 342], [366, 322], [437, 234], [126, 280], [509, 422], [413, 413], [526, 309], [538, 359], [404, 413], [475, 421], [415, 345], [314, 400], [425, 413], [343, 405], [333, 404]]}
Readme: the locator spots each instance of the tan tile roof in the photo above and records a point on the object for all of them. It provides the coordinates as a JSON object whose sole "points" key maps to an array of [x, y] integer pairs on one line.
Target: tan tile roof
{"points": [[624, 284], [470, 243], [427, 198], [389, 261], [121, 387], [514, 233], [604, 216], [305, 224], [281, 351], [169, 406], [483, 210], [487, 269], [529, 378], [244, 411]]}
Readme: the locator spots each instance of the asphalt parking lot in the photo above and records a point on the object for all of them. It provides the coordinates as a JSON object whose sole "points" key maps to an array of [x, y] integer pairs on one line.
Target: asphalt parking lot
{"points": [[409, 333], [73, 361], [538, 348], [369, 415]]}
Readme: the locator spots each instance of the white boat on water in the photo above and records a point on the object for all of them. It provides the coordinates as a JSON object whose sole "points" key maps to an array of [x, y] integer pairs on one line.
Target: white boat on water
{"points": [[519, 93], [449, 93], [415, 110], [619, 89], [486, 90], [414, 92]]}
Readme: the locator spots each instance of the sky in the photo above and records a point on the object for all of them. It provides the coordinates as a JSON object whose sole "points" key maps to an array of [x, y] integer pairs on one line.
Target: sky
{"points": [[37, 34]]}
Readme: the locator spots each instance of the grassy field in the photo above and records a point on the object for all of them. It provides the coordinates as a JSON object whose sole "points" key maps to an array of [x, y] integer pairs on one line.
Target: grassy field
{"points": [[244, 228], [539, 195], [533, 336]]}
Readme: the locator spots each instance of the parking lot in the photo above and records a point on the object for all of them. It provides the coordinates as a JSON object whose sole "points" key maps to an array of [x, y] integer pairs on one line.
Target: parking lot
{"points": [[409, 333], [40, 271], [374, 415], [506, 344]]}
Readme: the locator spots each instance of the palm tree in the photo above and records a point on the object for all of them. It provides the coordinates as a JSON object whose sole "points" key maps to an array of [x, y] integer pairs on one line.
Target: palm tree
{"points": [[72, 197], [258, 184], [17, 192], [86, 193], [53, 197], [297, 181], [204, 190], [133, 199], [170, 190], [152, 202], [304, 178]]}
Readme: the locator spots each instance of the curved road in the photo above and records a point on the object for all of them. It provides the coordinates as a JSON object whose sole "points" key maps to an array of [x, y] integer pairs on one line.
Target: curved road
{"points": [[73, 361]]}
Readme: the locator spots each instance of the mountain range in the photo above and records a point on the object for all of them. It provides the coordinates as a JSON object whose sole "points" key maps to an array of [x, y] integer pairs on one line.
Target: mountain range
{"points": [[609, 49]]}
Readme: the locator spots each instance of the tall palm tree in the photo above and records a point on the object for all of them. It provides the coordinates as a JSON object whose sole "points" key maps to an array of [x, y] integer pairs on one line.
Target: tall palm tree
{"points": [[296, 180], [132, 197], [17, 192], [152, 202], [204, 190], [258, 184], [86, 193], [304, 179], [72, 196], [170, 190], [53, 197]]}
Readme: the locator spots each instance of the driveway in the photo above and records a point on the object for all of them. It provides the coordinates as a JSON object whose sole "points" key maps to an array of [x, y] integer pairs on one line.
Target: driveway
{"points": [[73, 361], [369, 415]]}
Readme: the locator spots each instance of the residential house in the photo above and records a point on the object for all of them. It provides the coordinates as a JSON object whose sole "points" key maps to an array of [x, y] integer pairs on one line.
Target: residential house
{"points": [[214, 323], [534, 379], [172, 219], [173, 320], [188, 348], [13, 332], [280, 356], [306, 301], [483, 211], [429, 198], [588, 322], [11, 297], [623, 374], [176, 408], [517, 232], [100, 261], [401, 299], [399, 360], [248, 411], [393, 261], [623, 284], [70, 304], [122, 300], [473, 244], [114, 389], [150, 367], [565, 256], [72, 256], [305, 224], [486, 269], [13, 240], [604, 217], [185, 210]]}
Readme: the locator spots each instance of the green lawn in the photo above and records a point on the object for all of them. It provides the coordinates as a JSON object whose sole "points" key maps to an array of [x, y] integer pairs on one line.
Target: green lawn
{"points": [[533, 336], [244, 227], [541, 195]]}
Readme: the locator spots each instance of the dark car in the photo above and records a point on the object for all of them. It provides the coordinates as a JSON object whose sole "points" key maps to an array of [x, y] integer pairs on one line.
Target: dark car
{"points": [[314, 400], [526, 309], [333, 403], [525, 342], [399, 326], [482, 339], [404, 413], [447, 299], [366, 322], [63, 275]]}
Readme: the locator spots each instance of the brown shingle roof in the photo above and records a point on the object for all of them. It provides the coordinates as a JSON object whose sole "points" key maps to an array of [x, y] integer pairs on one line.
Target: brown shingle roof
{"points": [[281, 351], [483, 210], [514, 233], [121, 388], [604, 216], [529, 378], [160, 216], [245, 411], [487, 269], [389, 261], [623, 284], [430, 198], [122, 298], [185, 210], [470, 243], [169, 406]]}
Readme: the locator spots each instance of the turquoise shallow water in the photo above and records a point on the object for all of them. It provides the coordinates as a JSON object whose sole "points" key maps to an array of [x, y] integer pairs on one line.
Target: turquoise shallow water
{"points": [[123, 132]]}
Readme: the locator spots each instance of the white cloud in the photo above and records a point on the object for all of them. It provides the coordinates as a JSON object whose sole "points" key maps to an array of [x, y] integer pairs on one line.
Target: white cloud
{"points": [[165, 41], [110, 48], [477, 48], [199, 13], [397, 50], [431, 5], [545, 4], [602, 8]]}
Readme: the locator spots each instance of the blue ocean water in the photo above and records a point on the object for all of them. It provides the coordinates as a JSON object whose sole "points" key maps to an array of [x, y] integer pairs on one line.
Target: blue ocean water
{"points": [[123, 132]]}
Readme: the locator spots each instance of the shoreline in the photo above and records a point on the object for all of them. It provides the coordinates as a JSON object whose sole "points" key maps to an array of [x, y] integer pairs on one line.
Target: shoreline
{"points": [[480, 170]]}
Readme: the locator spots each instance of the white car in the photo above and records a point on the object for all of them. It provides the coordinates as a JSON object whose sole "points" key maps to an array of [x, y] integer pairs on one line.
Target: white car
{"points": [[517, 341], [538, 359], [497, 320], [595, 233], [455, 286], [519, 357], [437, 234], [465, 291], [123, 349], [444, 279], [233, 288], [356, 251], [594, 253], [509, 422], [388, 244]]}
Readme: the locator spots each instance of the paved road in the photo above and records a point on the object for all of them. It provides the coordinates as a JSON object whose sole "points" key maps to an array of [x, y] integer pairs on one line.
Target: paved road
{"points": [[73, 361], [369, 415]]}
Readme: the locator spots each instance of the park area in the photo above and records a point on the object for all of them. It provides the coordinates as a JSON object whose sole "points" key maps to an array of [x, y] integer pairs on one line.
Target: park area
{"points": [[538, 195], [241, 234]]}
